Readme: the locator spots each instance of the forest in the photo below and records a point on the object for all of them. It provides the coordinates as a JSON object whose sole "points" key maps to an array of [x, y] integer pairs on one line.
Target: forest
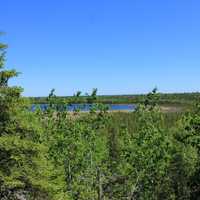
{"points": [[54, 154], [179, 99]]}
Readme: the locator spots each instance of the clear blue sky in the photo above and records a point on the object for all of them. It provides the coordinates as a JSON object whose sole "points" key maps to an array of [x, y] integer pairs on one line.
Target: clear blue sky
{"points": [[117, 46]]}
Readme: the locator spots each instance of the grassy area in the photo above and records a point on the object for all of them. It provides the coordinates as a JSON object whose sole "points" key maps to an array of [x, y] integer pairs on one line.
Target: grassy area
{"points": [[121, 120]]}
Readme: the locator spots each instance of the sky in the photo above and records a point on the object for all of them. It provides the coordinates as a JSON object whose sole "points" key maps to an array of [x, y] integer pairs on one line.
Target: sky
{"points": [[117, 46]]}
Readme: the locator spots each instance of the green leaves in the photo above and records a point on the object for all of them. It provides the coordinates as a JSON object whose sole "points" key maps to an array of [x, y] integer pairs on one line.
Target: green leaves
{"points": [[152, 98], [6, 75]]}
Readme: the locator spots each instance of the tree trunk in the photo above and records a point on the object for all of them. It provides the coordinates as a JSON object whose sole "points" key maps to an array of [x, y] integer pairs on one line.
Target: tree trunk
{"points": [[100, 189]]}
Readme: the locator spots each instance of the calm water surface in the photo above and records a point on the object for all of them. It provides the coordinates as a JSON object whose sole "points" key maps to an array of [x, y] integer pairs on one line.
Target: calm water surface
{"points": [[87, 107]]}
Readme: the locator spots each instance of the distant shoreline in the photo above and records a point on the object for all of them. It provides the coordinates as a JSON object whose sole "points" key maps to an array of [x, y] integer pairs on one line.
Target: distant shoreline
{"points": [[168, 99]]}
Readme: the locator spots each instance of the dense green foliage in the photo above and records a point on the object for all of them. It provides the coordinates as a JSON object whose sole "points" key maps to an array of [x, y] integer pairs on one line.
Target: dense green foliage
{"points": [[54, 154], [24, 167]]}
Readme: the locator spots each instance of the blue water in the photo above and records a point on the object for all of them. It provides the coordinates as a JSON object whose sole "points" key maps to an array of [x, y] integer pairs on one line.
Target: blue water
{"points": [[87, 107]]}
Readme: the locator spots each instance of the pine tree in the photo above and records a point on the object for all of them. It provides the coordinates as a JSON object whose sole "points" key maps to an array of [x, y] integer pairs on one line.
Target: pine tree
{"points": [[23, 167]]}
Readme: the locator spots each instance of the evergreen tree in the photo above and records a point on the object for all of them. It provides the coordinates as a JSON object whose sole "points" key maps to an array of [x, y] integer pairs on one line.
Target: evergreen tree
{"points": [[24, 170]]}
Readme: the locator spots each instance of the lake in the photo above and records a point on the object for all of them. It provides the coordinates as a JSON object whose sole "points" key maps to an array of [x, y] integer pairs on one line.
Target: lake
{"points": [[87, 107]]}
